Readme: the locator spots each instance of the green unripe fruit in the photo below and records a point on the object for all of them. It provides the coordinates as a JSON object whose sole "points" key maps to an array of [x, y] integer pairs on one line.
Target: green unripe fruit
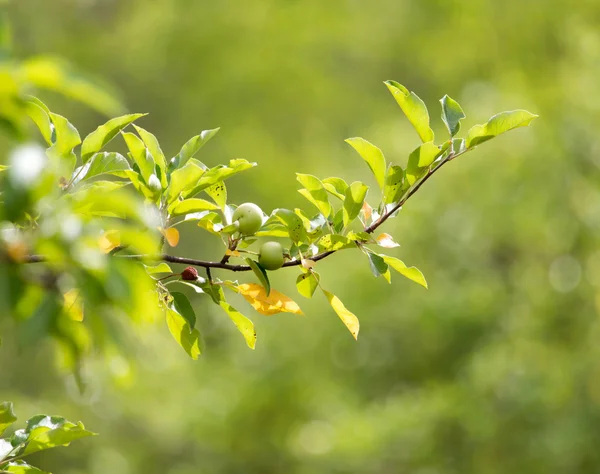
{"points": [[271, 255], [250, 218]]}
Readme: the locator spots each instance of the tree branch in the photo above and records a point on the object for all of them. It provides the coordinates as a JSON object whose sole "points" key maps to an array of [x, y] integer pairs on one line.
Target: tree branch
{"points": [[224, 265]]}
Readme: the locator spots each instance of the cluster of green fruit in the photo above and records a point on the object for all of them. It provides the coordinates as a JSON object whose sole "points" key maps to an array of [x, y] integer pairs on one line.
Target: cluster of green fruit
{"points": [[249, 219]]}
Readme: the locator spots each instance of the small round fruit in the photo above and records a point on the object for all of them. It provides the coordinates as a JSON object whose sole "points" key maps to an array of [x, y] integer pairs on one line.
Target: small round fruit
{"points": [[271, 255], [250, 218]]}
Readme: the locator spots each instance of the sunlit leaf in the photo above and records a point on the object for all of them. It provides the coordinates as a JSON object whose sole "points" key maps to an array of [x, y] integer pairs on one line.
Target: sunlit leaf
{"points": [[274, 303], [219, 173], [395, 185], [184, 178], [499, 123], [414, 109], [186, 337], [347, 317], [7, 415], [192, 205], [419, 161], [335, 242], [171, 235], [452, 114], [161, 268], [67, 138], [109, 240], [293, 223], [218, 193], [307, 283], [244, 325], [140, 154], [336, 186], [412, 273], [154, 148], [353, 201], [261, 274], [102, 163], [192, 146], [183, 307], [45, 432], [314, 192], [372, 155], [40, 116], [98, 139], [386, 241], [21, 467]]}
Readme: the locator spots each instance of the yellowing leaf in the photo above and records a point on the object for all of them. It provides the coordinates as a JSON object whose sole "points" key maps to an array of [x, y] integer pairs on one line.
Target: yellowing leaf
{"points": [[387, 241], [109, 240], [367, 211], [232, 253], [347, 317], [73, 305], [171, 235], [275, 303]]}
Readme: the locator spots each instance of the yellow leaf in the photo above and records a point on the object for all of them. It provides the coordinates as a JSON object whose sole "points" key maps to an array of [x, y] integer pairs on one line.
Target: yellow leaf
{"points": [[274, 303], [232, 253], [73, 305], [171, 235], [109, 240], [348, 318], [387, 241]]}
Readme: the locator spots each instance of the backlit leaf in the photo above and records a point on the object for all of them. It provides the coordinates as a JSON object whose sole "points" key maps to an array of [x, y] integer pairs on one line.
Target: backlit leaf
{"points": [[183, 307], [353, 201], [189, 206], [171, 235], [274, 303], [347, 317], [414, 109], [186, 337], [372, 155], [335, 242], [73, 304], [98, 139], [377, 264], [419, 161], [244, 325], [395, 184], [183, 179], [452, 114], [412, 273], [386, 241], [140, 155], [315, 192], [218, 193], [499, 123], [154, 148], [21, 467], [7, 415], [336, 186], [307, 283], [192, 146], [45, 432], [102, 163]]}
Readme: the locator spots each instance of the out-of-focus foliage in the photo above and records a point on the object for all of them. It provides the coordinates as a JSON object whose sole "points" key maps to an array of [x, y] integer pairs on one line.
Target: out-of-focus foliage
{"points": [[495, 370], [40, 433]]}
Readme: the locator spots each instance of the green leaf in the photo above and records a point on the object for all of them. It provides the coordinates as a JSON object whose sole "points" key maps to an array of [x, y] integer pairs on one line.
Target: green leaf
{"points": [[335, 242], [294, 224], [315, 193], [102, 163], [347, 317], [98, 139], [412, 273], [458, 146], [452, 114], [140, 155], [218, 193], [21, 467], [183, 307], [219, 173], [192, 146], [161, 268], [372, 155], [499, 123], [414, 109], [307, 283], [186, 337], [273, 229], [353, 201], [377, 264], [261, 274], [184, 178], [244, 325], [67, 138], [7, 415], [419, 161], [39, 113], [336, 186], [45, 432], [154, 148], [395, 184], [189, 206]]}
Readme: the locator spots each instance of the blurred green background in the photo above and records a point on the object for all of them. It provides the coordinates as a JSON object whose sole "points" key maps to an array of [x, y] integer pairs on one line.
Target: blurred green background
{"points": [[494, 369]]}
